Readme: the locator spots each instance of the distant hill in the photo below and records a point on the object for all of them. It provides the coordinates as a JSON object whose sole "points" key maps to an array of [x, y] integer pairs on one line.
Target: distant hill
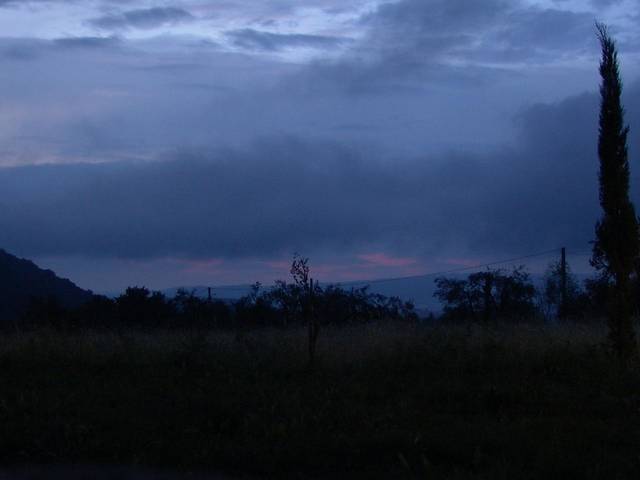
{"points": [[418, 290], [21, 280]]}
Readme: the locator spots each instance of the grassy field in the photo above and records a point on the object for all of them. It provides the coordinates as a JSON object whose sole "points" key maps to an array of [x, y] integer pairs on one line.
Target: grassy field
{"points": [[384, 401]]}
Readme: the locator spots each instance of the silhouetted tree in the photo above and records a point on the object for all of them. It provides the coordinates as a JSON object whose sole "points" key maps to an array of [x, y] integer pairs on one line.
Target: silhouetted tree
{"points": [[99, 312], [616, 247], [192, 311], [46, 312], [596, 295], [301, 276], [487, 296], [516, 295], [286, 298], [255, 309], [552, 293], [138, 307], [460, 302]]}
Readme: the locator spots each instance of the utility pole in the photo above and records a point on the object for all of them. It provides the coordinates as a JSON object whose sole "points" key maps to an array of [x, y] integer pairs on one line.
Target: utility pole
{"points": [[562, 310]]}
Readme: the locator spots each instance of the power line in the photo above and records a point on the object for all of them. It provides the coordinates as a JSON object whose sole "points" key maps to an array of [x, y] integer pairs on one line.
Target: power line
{"points": [[455, 270], [436, 274]]}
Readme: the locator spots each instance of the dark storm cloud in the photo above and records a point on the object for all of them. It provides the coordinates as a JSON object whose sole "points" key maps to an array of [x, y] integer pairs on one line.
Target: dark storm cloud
{"points": [[438, 16], [433, 29], [450, 26], [550, 30], [411, 36], [258, 40], [284, 195], [417, 44], [142, 18]]}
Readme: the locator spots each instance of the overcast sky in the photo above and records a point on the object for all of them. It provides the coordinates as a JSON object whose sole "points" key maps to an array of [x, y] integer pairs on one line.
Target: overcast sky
{"points": [[204, 142]]}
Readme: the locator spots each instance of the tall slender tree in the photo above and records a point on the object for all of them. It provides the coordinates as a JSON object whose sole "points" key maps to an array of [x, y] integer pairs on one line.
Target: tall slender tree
{"points": [[616, 247]]}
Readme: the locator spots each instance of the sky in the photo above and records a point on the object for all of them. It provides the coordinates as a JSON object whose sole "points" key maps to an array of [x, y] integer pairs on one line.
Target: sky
{"points": [[194, 142]]}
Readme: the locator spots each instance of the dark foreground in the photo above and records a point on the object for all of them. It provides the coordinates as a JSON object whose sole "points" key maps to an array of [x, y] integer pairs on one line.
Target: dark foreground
{"points": [[402, 402]]}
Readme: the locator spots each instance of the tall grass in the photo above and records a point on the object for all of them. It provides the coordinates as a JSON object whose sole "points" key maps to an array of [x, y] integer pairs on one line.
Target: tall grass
{"points": [[384, 400]]}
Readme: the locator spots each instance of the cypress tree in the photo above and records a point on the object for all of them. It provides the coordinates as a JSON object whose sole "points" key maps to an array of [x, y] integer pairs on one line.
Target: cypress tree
{"points": [[616, 247]]}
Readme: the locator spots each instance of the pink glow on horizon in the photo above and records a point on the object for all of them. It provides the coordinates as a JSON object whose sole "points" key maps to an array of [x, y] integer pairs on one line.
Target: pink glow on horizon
{"points": [[202, 266], [353, 268], [170, 272], [384, 260], [279, 264]]}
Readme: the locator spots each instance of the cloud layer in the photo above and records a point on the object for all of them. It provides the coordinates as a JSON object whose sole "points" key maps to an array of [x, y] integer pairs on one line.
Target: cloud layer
{"points": [[287, 195], [146, 18], [241, 129], [253, 39]]}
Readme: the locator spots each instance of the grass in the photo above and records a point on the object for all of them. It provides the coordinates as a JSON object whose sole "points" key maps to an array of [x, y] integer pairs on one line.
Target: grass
{"points": [[384, 401]]}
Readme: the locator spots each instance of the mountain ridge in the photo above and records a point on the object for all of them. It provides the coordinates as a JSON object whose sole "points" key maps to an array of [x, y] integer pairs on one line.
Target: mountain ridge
{"points": [[21, 280]]}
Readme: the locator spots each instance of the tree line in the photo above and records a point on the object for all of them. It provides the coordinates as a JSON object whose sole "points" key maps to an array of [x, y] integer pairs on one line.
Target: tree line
{"points": [[511, 296], [281, 306], [482, 297]]}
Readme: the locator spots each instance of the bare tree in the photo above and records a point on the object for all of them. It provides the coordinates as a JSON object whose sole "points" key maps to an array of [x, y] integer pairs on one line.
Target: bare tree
{"points": [[300, 272]]}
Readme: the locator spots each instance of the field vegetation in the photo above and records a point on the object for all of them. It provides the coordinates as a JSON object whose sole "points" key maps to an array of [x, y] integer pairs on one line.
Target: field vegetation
{"points": [[384, 399]]}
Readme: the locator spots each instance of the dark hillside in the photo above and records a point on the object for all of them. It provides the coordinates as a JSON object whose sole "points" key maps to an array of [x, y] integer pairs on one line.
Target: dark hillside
{"points": [[21, 280]]}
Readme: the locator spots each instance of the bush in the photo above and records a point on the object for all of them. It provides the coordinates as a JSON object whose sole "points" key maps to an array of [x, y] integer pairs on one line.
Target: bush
{"points": [[486, 296]]}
